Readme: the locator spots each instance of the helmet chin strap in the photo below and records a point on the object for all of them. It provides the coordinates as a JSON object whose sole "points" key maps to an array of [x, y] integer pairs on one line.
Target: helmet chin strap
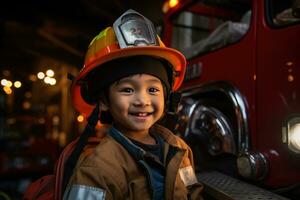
{"points": [[173, 102], [82, 141], [170, 118], [94, 117]]}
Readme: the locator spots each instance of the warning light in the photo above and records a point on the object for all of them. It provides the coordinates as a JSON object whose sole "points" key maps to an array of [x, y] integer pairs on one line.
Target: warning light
{"points": [[173, 3]]}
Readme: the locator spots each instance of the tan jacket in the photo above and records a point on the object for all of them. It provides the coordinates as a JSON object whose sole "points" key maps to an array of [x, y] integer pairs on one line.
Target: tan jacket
{"points": [[108, 171]]}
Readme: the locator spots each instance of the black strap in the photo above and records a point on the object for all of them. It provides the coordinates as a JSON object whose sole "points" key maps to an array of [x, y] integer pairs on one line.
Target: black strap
{"points": [[173, 101], [82, 141]]}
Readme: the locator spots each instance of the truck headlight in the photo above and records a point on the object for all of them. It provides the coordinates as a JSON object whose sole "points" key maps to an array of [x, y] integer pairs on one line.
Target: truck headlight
{"points": [[291, 134]]}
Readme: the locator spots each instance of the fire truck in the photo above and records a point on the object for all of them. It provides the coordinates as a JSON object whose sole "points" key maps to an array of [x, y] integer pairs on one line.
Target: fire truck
{"points": [[240, 106]]}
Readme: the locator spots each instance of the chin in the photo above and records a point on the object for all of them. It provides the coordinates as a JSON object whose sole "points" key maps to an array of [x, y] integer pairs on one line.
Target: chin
{"points": [[140, 128]]}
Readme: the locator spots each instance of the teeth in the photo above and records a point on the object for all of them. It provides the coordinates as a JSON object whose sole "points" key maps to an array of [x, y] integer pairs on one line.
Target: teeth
{"points": [[142, 114]]}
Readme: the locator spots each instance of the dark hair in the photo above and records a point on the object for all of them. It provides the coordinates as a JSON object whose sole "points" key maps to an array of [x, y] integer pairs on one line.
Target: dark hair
{"points": [[114, 70]]}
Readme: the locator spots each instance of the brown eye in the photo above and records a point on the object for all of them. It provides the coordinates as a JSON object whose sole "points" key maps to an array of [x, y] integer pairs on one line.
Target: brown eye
{"points": [[153, 90], [127, 90]]}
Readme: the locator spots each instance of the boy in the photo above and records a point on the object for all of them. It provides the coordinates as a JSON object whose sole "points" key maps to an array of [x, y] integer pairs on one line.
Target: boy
{"points": [[128, 76]]}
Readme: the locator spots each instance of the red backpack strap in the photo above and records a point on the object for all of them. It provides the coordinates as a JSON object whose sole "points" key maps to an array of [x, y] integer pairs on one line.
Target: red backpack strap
{"points": [[59, 170], [41, 189]]}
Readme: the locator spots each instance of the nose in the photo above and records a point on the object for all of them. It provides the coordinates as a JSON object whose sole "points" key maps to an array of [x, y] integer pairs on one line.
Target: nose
{"points": [[141, 99]]}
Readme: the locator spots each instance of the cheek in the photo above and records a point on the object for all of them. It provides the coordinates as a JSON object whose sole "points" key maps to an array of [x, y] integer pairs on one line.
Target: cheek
{"points": [[159, 103], [118, 104]]}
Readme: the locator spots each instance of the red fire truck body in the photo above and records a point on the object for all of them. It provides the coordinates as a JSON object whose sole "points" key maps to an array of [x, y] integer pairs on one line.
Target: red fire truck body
{"points": [[242, 87]]}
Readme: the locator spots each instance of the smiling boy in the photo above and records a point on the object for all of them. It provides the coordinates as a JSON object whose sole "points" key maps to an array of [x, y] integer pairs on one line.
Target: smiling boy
{"points": [[129, 76]]}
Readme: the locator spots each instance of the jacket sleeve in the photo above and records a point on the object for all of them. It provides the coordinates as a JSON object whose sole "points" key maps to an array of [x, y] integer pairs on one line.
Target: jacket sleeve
{"points": [[91, 183]]}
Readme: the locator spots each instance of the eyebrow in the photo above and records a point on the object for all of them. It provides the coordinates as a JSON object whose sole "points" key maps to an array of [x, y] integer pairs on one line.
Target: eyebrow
{"points": [[130, 80]]}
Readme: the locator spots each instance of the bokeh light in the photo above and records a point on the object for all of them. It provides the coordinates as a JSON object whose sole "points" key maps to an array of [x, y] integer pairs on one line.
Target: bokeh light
{"points": [[40, 75], [17, 84], [50, 73]]}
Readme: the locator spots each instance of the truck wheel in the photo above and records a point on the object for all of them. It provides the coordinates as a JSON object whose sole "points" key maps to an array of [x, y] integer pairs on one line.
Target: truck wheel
{"points": [[209, 123]]}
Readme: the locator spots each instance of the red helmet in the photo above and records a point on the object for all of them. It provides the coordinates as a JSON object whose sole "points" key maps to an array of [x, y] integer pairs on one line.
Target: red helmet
{"points": [[132, 35]]}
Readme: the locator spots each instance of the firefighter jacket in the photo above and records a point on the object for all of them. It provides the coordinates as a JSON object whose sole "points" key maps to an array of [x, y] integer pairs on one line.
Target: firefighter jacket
{"points": [[117, 169]]}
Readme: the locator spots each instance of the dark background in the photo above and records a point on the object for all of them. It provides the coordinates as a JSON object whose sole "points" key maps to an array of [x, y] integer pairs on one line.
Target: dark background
{"points": [[35, 30]]}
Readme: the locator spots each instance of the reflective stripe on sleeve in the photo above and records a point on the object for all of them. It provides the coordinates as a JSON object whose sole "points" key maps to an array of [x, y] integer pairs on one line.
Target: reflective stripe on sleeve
{"points": [[83, 192], [188, 176]]}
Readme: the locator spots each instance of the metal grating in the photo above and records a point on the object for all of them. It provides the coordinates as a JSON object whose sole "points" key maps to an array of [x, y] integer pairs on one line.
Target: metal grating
{"points": [[223, 187]]}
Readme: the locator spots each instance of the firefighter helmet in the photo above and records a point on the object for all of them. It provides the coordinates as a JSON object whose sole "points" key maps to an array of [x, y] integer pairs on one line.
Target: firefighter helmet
{"points": [[131, 35]]}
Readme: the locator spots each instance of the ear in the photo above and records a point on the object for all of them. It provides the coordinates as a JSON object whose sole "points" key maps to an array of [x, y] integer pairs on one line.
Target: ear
{"points": [[103, 106]]}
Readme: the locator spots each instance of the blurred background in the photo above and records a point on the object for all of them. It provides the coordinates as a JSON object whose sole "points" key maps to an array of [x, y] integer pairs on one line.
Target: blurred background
{"points": [[40, 43], [239, 110]]}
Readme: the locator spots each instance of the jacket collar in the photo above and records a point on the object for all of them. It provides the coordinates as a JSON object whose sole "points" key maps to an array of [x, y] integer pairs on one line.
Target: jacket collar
{"points": [[167, 135]]}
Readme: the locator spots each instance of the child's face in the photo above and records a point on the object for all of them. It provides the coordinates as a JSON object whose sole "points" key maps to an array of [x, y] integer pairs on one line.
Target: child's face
{"points": [[136, 103]]}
